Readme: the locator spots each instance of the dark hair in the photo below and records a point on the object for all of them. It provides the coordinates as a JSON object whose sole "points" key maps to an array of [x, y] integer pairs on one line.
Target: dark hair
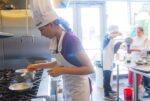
{"points": [[140, 28], [63, 23]]}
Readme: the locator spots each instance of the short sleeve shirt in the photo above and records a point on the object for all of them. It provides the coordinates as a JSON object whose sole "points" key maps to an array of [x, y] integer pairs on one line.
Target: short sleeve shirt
{"points": [[71, 45]]}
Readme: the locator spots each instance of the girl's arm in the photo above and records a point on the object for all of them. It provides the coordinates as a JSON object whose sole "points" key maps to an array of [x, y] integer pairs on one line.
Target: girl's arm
{"points": [[32, 67], [85, 69]]}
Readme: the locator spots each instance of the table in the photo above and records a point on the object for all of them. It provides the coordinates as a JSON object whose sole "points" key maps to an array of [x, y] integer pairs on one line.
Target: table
{"points": [[135, 76]]}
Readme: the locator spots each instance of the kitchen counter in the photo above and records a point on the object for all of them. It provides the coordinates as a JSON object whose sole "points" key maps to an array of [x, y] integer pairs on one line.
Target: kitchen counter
{"points": [[46, 87], [138, 69], [38, 99]]}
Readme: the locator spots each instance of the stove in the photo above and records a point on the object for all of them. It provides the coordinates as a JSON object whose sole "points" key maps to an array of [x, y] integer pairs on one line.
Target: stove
{"points": [[8, 76]]}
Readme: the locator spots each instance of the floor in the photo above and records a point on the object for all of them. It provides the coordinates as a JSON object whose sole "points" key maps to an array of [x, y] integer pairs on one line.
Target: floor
{"points": [[97, 94]]}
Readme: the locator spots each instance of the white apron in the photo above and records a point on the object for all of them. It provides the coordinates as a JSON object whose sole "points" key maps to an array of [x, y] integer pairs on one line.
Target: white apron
{"points": [[75, 87], [141, 43], [108, 56]]}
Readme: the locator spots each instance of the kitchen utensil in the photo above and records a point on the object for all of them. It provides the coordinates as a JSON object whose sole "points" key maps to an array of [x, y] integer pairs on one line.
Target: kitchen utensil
{"points": [[20, 86], [25, 73], [24, 86], [141, 62], [21, 71]]}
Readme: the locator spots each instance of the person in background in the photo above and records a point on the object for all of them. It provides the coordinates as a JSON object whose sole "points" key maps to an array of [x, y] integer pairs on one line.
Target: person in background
{"points": [[138, 49], [108, 57], [71, 60]]}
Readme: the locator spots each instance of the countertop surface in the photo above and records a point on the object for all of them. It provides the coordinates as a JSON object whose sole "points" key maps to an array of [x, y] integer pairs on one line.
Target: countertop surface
{"points": [[38, 99], [45, 85]]}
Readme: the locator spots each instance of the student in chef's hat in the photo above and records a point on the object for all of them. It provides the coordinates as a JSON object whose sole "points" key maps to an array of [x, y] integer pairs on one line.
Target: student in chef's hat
{"points": [[71, 60]]}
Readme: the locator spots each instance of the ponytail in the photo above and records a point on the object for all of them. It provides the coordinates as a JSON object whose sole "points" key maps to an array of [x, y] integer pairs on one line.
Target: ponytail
{"points": [[63, 23]]}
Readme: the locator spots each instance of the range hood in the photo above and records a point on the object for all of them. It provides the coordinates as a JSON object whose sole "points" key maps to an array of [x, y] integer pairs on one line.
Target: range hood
{"points": [[21, 4]]}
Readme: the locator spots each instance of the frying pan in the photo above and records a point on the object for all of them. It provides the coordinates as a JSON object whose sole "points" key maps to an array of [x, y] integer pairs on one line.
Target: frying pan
{"points": [[25, 74], [23, 86], [21, 70], [20, 87]]}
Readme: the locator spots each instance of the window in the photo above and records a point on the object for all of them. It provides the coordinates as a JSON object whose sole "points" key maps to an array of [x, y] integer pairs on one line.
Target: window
{"points": [[90, 21], [67, 14], [117, 14], [140, 12]]}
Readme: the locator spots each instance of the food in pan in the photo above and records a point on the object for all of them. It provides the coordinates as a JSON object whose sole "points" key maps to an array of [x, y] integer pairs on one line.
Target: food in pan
{"points": [[19, 86]]}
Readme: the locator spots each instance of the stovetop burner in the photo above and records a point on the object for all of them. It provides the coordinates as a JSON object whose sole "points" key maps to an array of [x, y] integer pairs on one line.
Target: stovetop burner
{"points": [[7, 77]]}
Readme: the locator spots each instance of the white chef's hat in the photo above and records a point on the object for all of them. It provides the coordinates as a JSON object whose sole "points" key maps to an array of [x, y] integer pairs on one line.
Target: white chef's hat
{"points": [[113, 28], [42, 12]]}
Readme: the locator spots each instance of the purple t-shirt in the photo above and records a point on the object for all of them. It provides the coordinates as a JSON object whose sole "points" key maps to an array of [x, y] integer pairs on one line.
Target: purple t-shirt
{"points": [[70, 46]]}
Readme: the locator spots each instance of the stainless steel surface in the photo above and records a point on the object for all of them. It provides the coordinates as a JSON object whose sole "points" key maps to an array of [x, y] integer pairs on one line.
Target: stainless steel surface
{"points": [[17, 21], [12, 47], [141, 73], [45, 87], [35, 47], [17, 52], [38, 99]]}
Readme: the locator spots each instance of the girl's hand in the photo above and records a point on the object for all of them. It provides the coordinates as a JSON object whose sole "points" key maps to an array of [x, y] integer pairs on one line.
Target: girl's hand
{"points": [[56, 71]]}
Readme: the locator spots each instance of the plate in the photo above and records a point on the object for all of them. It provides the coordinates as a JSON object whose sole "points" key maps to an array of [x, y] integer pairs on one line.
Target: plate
{"points": [[141, 62]]}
